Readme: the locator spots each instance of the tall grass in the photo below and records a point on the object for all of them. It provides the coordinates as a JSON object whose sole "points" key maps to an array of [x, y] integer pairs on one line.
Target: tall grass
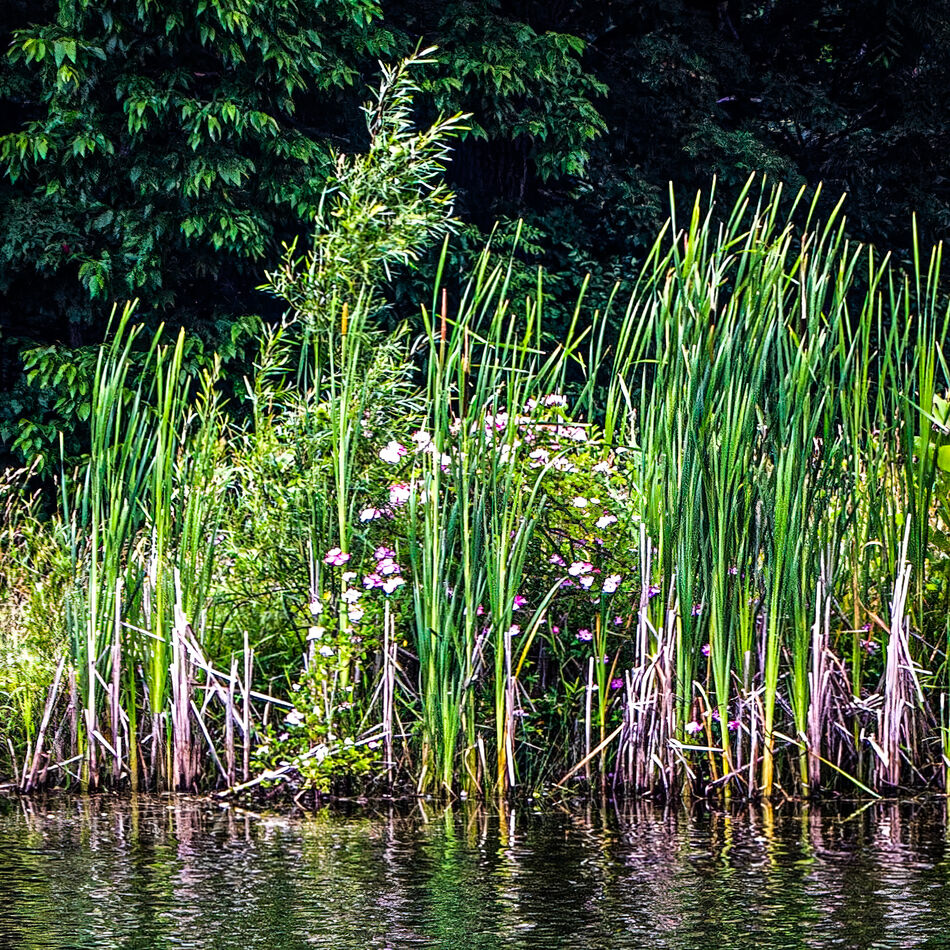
{"points": [[699, 546]]}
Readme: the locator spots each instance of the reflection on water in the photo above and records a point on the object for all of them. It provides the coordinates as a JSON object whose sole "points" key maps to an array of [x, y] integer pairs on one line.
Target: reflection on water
{"points": [[177, 874]]}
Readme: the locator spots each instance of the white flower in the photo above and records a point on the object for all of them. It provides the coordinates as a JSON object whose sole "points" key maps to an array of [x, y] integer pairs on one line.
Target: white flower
{"points": [[587, 581], [580, 502], [606, 520], [399, 494], [421, 440], [348, 576], [580, 567], [355, 614], [391, 583], [602, 467], [351, 595], [325, 650], [392, 452], [314, 633], [611, 583], [294, 718], [371, 514]]}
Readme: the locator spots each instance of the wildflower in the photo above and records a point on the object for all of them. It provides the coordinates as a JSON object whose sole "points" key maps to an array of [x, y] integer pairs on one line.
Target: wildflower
{"points": [[611, 583], [616, 683], [325, 651], [584, 635], [391, 583], [294, 718], [692, 727], [697, 609], [351, 595], [618, 621], [586, 581], [567, 582], [732, 725], [382, 552], [355, 614], [316, 608], [653, 590], [348, 576], [706, 649], [387, 567], [601, 467], [372, 580], [555, 630], [314, 633], [580, 502], [335, 557], [733, 570], [422, 440], [519, 602], [605, 521], [479, 610], [514, 630], [580, 567], [557, 559], [574, 433], [399, 493], [540, 457], [555, 399], [371, 514], [393, 452]]}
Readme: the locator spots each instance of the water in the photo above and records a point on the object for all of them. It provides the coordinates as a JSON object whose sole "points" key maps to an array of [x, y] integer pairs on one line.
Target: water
{"points": [[160, 874]]}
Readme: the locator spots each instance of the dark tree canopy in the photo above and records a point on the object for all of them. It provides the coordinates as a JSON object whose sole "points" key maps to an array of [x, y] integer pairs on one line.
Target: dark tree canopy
{"points": [[165, 150]]}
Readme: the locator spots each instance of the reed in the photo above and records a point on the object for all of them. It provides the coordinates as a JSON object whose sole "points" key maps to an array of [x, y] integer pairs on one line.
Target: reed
{"points": [[694, 547]]}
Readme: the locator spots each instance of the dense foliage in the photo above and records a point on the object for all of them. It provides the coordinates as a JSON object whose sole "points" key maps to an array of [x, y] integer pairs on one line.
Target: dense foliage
{"points": [[164, 151], [412, 560]]}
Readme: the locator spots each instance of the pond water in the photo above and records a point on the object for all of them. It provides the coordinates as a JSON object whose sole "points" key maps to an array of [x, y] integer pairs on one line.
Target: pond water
{"points": [[97, 872]]}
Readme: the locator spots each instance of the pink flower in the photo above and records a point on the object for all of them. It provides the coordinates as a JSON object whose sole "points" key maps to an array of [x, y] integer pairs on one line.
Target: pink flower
{"points": [[392, 453], [519, 602], [479, 610], [382, 552], [580, 567], [335, 557], [371, 514], [387, 567], [733, 724], [616, 683], [372, 580], [692, 728], [584, 635], [611, 583], [706, 649], [557, 559]]}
